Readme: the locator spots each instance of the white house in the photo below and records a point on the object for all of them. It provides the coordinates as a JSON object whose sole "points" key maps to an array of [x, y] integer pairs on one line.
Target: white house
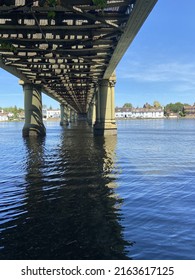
{"points": [[10, 115], [3, 117], [145, 113], [123, 112], [51, 113]]}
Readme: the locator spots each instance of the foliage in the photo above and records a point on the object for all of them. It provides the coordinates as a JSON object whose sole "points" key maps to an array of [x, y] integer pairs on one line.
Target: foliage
{"points": [[14, 110], [100, 3], [52, 3], [174, 107], [156, 104], [127, 105], [51, 14], [7, 46], [182, 114]]}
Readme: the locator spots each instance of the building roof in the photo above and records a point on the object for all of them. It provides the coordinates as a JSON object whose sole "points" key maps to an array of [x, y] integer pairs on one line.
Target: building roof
{"points": [[138, 110], [3, 114], [189, 107]]}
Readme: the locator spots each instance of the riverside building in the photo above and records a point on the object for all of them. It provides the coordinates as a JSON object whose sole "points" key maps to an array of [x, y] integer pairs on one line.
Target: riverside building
{"points": [[145, 113]]}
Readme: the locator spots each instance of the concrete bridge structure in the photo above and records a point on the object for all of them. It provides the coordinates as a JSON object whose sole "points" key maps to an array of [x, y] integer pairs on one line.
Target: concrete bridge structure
{"points": [[69, 50]]}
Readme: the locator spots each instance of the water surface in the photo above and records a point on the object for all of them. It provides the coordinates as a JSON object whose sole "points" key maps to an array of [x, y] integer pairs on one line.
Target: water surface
{"points": [[76, 196]]}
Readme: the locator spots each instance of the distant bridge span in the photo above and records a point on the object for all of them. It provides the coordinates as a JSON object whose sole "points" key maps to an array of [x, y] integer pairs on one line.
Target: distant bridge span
{"points": [[69, 50]]}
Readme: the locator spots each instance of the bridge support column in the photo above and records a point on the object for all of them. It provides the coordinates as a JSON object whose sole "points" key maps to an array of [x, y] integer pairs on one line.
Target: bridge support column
{"points": [[91, 113], [105, 111], [33, 111], [72, 115], [75, 116], [61, 114], [64, 116], [67, 112]]}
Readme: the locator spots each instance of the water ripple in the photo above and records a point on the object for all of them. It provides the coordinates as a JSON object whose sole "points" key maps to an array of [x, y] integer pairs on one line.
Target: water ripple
{"points": [[75, 196]]}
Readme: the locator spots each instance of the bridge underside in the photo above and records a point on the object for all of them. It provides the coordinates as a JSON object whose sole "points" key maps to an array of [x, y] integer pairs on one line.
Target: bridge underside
{"points": [[68, 47]]}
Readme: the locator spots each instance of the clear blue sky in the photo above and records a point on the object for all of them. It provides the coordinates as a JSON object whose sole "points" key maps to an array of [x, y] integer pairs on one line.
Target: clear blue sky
{"points": [[159, 64]]}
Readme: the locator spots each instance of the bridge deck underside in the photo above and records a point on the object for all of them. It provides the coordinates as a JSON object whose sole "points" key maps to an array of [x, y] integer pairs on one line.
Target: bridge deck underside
{"points": [[63, 45]]}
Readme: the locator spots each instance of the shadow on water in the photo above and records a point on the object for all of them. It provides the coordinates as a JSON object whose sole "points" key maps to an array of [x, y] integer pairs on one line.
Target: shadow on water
{"points": [[70, 209]]}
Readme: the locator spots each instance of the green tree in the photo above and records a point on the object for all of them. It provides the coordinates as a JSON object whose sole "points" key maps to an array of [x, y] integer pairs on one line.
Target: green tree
{"points": [[127, 105], [156, 104], [14, 110], [174, 107]]}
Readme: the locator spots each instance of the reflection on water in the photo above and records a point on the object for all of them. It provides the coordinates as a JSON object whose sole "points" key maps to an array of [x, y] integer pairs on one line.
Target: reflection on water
{"points": [[75, 196], [66, 206]]}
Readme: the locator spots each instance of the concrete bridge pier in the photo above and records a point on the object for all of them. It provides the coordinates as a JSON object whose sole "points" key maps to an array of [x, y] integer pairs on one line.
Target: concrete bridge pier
{"points": [[67, 113], [72, 115], [91, 114], [64, 115], [61, 114], [105, 108], [33, 111]]}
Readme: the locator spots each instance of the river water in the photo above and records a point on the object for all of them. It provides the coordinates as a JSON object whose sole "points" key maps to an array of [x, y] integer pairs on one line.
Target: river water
{"points": [[76, 196]]}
